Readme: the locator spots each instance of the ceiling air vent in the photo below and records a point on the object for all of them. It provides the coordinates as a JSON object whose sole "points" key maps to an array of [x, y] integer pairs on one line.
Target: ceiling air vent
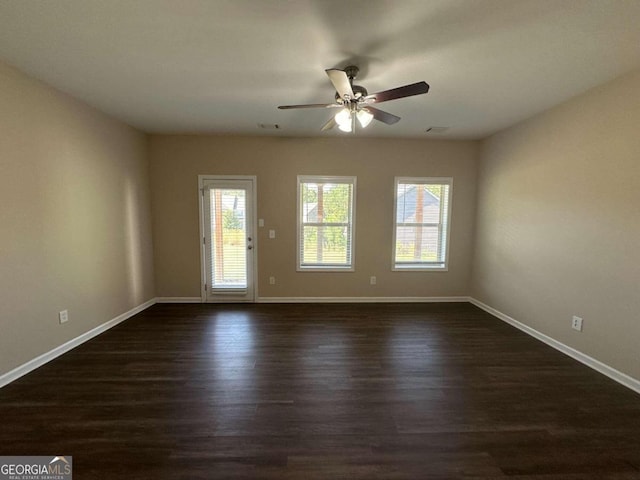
{"points": [[437, 130]]}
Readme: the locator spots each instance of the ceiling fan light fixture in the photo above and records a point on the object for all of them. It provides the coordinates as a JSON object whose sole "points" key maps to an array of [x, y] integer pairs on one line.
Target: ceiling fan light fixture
{"points": [[364, 117], [345, 127], [343, 117]]}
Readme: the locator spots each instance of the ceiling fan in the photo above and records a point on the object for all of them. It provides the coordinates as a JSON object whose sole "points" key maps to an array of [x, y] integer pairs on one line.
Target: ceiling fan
{"points": [[355, 102]]}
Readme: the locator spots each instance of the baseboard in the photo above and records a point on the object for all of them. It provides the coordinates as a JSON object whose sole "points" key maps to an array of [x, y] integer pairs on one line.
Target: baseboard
{"points": [[71, 344], [361, 299], [178, 300], [327, 299], [591, 362]]}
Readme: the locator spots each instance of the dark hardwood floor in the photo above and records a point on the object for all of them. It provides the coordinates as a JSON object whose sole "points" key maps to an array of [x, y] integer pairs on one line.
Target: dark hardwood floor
{"points": [[367, 391]]}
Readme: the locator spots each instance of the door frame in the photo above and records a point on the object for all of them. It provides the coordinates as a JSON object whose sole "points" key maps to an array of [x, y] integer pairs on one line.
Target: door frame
{"points": [[254, 257]]}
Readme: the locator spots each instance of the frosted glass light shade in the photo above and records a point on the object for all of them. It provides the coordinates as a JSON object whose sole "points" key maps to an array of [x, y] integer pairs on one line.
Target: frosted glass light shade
{"points": [[343, 117], [345, 127], [364, 118]]}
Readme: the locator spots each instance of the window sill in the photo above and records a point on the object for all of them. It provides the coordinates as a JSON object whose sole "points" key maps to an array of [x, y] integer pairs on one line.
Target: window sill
{"points": [[419, 268], [325, 269]]}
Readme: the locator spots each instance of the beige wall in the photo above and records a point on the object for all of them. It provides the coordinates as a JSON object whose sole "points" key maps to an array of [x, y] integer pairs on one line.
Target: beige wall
{"points": [[559, 223], [176, 162], [75, 217]]}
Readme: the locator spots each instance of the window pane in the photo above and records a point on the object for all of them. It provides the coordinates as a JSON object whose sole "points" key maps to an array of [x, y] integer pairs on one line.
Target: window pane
{"points": [[336, 203], [326, 202], [228, 243], [326, 246], [310, 203], [417, 244]]}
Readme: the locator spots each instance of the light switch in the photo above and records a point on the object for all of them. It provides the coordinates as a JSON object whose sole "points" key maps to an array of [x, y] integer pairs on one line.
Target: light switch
{"points": [[272, 234], [261, 222]]}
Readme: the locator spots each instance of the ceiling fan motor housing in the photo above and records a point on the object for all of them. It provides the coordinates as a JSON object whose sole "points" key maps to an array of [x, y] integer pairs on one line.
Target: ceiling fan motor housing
{"points": [[358, 92], [351, 71]]}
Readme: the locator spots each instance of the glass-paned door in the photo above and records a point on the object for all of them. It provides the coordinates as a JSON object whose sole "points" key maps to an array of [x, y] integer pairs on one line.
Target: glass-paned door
{"points": [[228, 242]]}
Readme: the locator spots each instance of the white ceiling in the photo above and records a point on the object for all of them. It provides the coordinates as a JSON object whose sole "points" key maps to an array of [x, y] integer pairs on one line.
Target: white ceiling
{"points": [[190, 66]]}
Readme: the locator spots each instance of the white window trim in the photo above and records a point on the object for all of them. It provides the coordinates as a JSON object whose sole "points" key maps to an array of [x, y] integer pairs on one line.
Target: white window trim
{"points": [[415, 267], [325, 179]]}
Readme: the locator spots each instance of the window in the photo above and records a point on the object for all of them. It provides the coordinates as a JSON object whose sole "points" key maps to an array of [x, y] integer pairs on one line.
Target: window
{"points": [[421, 229], [325, 223]]}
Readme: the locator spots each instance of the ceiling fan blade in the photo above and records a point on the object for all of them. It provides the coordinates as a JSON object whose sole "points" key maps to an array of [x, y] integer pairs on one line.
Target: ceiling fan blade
{"points": [[382, 116], [340, 82], [329, 125], [405, 91], [310, 105]]}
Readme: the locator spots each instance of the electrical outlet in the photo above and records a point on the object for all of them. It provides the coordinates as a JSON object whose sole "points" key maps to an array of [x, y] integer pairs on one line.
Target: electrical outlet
{"points": [[272, 280], [373, 280], [63, 316], [272, 234], [576, 323]]}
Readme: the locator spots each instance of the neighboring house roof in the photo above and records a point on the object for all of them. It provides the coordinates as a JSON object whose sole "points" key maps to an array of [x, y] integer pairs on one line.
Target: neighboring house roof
{"points": [[407, 203]]}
